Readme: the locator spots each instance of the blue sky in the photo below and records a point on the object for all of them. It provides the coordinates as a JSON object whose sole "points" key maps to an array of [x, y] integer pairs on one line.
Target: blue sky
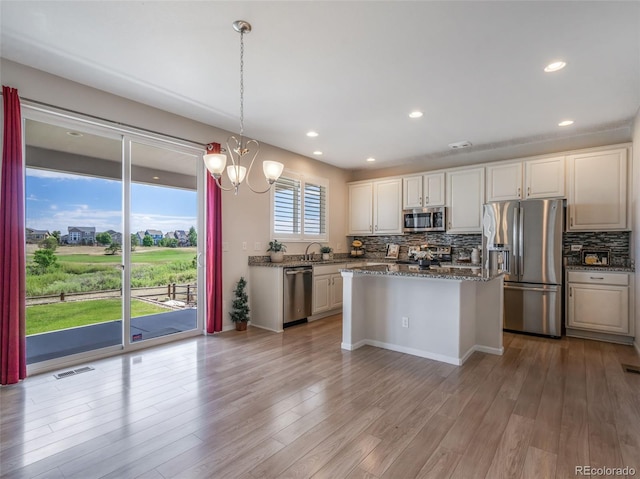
{"points": [[56, 201]]}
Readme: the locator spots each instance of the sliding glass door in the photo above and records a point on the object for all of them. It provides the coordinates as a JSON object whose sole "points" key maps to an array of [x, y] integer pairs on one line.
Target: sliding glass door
{"points": [[163, 219], [112, 223], [73, 219]]}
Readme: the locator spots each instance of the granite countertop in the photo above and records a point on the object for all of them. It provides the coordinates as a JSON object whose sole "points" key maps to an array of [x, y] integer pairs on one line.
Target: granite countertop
{"points": [[610, 269], [433, 272], [293, 263]]}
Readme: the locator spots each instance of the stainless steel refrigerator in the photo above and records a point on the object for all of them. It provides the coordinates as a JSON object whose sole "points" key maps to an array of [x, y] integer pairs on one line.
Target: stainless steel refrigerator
{"points": [[524, 239]]}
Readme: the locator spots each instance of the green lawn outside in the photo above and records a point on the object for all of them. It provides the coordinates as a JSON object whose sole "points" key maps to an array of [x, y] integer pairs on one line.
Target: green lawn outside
{"points": [[88, 271], [159, 256], [52, 317]]}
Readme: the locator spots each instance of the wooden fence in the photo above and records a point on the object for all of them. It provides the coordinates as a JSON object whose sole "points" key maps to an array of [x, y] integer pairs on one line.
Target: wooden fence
{"points": [[187, 293]]}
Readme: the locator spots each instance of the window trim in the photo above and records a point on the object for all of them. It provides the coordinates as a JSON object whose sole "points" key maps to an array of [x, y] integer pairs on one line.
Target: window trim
{"points": [[302, 236]]}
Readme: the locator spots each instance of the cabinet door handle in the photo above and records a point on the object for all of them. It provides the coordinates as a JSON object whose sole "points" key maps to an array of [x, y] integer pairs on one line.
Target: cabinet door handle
{"points": [[426, 200], [376, 227], [519, 192], [595, 277], [570, 292], [420, 199], [370, 228], [571, 221], [528, 191]]}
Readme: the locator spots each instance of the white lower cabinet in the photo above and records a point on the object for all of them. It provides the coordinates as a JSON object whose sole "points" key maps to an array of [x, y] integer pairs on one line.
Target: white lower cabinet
{"points": [[327, 288], [600, 302]]}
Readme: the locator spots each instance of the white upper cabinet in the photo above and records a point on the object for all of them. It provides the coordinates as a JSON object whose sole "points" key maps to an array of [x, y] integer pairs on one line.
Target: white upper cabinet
{"points": [[542, 178], [465, 197], [375, 207], [504, 182], [434, 190], [387, 206], [597, 191], [360, 209], [423, 191], [412, 192]]}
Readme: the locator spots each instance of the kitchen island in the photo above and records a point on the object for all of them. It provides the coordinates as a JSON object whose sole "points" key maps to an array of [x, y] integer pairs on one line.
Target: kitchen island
{"points": [[440, 313]]}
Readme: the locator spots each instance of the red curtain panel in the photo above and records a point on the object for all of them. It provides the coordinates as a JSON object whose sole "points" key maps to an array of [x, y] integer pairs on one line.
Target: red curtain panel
{"points": [[13, 364], [214, 251]]}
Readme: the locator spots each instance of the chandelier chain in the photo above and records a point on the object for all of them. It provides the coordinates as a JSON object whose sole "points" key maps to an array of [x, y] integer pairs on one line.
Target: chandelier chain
{"points": [[241, 85]]}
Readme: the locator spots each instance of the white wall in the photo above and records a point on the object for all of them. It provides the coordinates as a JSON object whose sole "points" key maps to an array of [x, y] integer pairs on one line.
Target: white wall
{"points": [[635, 169], [246, 216]]}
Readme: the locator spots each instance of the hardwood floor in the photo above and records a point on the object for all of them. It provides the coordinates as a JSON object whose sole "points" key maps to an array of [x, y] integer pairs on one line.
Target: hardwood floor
{"points": [[256, 404]]}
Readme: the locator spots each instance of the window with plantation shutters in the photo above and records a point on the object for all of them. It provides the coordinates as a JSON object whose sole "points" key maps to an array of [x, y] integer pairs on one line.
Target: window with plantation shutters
{"points": [[287, 206], [299, 208]]}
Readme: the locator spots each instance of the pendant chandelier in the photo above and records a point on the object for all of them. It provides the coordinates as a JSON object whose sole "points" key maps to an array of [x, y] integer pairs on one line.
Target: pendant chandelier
{"points": [[238, 148]]}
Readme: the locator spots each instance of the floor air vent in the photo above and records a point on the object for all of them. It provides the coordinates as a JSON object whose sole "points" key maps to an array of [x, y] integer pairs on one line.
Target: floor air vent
{"points": [[628, 368], [73, 372]]}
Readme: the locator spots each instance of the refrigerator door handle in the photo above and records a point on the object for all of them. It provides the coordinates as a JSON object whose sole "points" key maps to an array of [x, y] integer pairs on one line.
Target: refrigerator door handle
{"points": [[516, 255], [521, 242], [525, 288]]}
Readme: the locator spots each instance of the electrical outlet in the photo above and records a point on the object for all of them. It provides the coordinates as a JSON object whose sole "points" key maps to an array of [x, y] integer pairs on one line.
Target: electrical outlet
{"points": [[405, 322], [257, 246], [244, 246], [576, 247]]}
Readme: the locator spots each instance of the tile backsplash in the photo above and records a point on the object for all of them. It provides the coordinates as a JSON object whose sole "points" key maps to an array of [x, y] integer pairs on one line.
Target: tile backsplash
{"points": [[376, 246], [618, 242]]}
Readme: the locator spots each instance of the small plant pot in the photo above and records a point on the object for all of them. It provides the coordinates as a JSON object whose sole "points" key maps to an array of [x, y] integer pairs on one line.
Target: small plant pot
{"points": [[277, 257], [326, 256], [241, 326]]}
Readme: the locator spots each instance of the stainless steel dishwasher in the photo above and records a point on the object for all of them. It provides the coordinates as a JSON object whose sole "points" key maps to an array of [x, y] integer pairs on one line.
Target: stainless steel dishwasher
{"points": [[298, 287]]}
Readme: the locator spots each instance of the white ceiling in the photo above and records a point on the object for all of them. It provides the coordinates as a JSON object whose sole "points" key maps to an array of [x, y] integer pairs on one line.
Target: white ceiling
{"points": [[352, 71]]}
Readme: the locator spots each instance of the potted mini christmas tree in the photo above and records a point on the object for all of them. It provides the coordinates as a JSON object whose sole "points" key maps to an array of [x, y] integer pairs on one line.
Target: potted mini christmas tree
{"points": [[240, 305]]}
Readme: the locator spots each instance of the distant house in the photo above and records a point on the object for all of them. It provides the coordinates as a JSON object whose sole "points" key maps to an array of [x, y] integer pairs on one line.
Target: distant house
{"points": [[155, 234], [115, 236], [35, 236], [170, 235], [140, 235], [182, 237], [84, 235]]}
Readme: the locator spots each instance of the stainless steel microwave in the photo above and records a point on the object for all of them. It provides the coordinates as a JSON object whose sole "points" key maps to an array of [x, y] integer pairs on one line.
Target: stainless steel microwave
{"points": [[424, 219]]}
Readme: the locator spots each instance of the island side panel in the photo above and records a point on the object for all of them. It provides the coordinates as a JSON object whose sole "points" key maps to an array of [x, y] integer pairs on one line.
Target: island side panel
{"points": [[468, 318], [374, 306], [490, 310]]}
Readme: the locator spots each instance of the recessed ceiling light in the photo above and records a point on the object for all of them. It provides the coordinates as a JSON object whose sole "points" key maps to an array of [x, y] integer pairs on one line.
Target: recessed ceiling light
{"points": [[156, 177], [74, 133], [415, 114], [555, 66], [565, 123], [317, 153], [371, 160], [312, 134]]}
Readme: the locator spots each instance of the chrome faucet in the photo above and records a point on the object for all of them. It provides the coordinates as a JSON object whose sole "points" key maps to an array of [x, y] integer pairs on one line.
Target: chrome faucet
{"points": [[307, 256]]}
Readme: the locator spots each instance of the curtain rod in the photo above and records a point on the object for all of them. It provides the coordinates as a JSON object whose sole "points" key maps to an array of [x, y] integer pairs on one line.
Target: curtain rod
{"points": [[111, 122]]}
